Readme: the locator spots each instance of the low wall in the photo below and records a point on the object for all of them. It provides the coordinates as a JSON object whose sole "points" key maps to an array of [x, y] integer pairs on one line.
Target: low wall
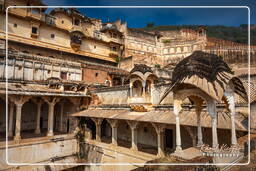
{"points": [[37, 150], [97, 152], [113, 95]]}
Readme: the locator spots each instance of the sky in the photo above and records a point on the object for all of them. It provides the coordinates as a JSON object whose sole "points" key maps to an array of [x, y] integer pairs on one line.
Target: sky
{"points": [[139, 17]]}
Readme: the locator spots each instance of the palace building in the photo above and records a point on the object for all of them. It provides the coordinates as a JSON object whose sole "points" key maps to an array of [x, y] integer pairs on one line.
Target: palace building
{"points": [[76, 90]]}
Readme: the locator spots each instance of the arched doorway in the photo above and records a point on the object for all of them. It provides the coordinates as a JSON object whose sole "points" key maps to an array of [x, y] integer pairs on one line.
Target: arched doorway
{"points": [[106, 132], [137, 88], [28, 119], [92, 127], [124, 134], [147, 138]]}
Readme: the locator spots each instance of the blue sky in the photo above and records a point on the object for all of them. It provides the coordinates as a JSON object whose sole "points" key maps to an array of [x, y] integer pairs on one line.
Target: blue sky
{"points": [[138, 17]]}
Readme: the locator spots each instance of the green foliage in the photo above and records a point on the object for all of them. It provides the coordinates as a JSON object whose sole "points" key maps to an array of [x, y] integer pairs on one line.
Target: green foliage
{"points": [[166, 41], [237, 34], [150, 25], [157, 66]]}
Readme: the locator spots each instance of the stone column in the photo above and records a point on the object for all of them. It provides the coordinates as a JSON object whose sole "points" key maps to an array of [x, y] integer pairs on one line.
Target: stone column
{"points": [[17, 136], [98, 128], [214, 132], [18, 101], [10, 129], [177, 109], [133, 125], [114, 124], [50, 119], [160, 139], [199, 127], [51, 101], [131, 93], [143, 88], [122, 80], [212, 111], [231, 107], [39, 105]]}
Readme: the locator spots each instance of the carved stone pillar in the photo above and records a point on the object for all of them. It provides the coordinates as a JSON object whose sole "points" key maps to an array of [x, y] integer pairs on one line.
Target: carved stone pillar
{"points": [[133, 125], [39, 103], [98, 128], [18, 122], [51, 101], [231, 106], [18, 101], [199, 127], [177, 109], [160, 139], [212, 111], [143, 88], [114, 124], [131, 87]]}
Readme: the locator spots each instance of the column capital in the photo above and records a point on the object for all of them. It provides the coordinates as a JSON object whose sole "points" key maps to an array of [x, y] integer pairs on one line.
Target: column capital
{"points": [[97, 121], [51, 100], [159, 127], [113, 123], [133, 124], [19, 100]]}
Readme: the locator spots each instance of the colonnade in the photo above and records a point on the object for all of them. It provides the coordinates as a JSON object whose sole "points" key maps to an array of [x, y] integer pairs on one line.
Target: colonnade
{"points": [[159, 128], [18, 102]]}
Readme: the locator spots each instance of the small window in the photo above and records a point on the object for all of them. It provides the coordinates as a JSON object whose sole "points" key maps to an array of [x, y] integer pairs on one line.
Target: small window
{"points": [[95, 47], [63, 75], [15, 25], [114, 35], [62, 21], [52, 36], [77, 22], [24, 51], [49, 71], [96, 74], [114, 48], [35, 11], [34, 30]]}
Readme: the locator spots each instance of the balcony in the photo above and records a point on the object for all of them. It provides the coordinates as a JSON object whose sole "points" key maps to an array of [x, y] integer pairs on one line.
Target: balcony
{"points": [[76, 28], [35, 14], [113, 54], [75, 42], [116, 40]]}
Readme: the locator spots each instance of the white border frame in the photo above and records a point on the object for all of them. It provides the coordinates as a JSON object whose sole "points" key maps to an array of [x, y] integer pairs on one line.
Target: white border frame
{"points": [[116, 164]]}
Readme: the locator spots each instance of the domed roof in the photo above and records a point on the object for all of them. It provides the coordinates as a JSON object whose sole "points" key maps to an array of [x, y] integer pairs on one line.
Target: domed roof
{"points": [[141, 68], [205, 71]]}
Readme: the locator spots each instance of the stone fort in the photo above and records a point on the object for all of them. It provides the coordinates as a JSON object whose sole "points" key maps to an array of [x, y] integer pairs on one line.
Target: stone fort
{"points": [[84, 91]]}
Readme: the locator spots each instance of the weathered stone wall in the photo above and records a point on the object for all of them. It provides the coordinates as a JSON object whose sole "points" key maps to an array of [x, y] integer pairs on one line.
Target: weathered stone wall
{"points": [[101, 153], [41, 151], [114, 95], [157, 93], [24, 69], [95, 76]]}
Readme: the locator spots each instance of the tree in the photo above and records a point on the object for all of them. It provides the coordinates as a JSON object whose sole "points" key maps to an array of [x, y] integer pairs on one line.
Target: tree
{"points": [[150, 25]]}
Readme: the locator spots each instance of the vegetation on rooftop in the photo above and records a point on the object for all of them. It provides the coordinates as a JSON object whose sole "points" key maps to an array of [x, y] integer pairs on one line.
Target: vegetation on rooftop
{"points": [[237, 34]]}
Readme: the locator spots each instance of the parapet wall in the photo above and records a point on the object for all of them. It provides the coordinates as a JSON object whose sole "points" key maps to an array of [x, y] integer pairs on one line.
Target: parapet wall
{"points": [[38, 151]]}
